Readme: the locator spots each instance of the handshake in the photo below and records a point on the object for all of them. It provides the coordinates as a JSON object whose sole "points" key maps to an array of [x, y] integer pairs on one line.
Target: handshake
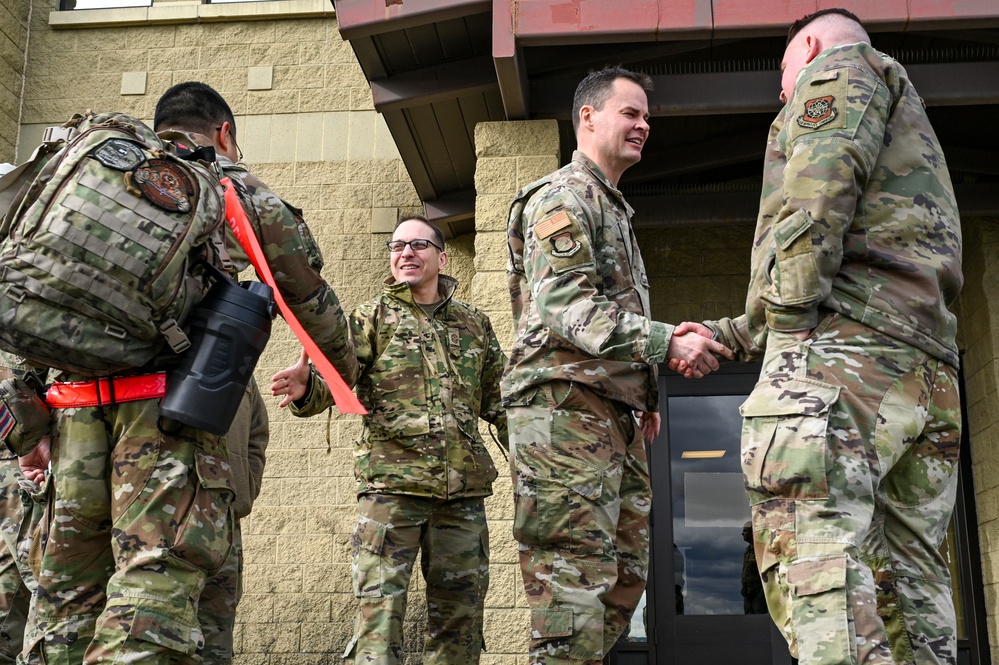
{"points": [[693, 353]]}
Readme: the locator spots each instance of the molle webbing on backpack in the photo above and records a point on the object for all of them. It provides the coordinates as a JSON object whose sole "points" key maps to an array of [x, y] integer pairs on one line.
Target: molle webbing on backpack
{"points": [[101, 260]]}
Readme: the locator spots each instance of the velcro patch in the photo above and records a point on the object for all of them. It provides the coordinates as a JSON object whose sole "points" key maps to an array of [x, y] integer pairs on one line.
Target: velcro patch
{"points": [[564, 245], [818, 112], [7, 421], [550, 225]]}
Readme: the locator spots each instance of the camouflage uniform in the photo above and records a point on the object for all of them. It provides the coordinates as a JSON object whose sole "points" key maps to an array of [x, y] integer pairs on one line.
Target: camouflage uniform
{"points": [[140, 517], [584, 359], [247, 439], [20, 514], [422, 469], [851, 437]]}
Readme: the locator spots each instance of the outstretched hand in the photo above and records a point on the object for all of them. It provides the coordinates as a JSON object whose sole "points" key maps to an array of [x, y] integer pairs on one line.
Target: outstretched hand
{"points": [[292, 382], [693, 355]]}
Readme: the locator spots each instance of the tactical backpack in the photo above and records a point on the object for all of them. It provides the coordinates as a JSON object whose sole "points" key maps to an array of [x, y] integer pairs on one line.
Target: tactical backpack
{"points": [[101, 242]]}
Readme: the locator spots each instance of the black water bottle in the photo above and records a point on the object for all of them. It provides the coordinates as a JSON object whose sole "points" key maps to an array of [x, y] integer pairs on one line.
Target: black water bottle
{"points": [[228, 330]]}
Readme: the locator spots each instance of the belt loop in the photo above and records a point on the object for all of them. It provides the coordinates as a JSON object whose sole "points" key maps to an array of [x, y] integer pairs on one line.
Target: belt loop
{"points": [[97, 392], [113, 401]]}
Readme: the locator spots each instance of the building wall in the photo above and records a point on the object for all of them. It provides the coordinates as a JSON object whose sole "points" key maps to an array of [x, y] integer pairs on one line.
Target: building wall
{"points": [[13, 42]]}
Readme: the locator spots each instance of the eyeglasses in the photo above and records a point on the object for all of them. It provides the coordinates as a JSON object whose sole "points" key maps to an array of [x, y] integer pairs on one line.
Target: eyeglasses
{"points": [[232, 135], [417, 245]]}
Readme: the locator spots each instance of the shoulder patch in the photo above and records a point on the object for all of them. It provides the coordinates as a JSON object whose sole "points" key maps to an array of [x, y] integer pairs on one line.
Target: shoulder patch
{"points": [[550, 225], [818, 112]]}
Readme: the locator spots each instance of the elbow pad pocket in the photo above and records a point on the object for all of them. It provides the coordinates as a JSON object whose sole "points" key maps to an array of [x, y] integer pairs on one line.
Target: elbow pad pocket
{"points": [[797, 274], [24, 418]]}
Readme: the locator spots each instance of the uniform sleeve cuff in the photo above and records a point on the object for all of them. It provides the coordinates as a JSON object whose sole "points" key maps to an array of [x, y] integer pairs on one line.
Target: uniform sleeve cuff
{"points": [[315, 398], [792, 321], [660, 335]]}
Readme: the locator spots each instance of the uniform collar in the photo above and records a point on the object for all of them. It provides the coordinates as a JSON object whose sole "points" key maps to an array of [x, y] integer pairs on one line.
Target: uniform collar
{"points": [[446, 286], [580, 157]]}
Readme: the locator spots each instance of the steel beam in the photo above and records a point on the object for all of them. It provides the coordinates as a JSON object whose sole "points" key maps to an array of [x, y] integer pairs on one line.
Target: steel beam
{"points": [[508, 60], [433, 84], [715, 209], [363, 18], [451, 207], [939, 84]]}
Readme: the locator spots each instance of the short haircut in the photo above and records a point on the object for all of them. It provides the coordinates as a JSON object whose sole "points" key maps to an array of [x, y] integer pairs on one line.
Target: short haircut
{"points": [[596, 88], [437, 233], [192, 107], [797, 26]]}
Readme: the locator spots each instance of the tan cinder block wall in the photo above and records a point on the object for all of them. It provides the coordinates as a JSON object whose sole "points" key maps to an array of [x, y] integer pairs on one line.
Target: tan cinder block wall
{"points": [[509, 155], [13, 42], [979, 327]]}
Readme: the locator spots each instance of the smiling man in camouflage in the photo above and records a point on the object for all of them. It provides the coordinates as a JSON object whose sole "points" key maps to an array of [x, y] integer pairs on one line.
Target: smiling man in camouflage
{"points": [[582, 368], [430, 369], [851, 438]]}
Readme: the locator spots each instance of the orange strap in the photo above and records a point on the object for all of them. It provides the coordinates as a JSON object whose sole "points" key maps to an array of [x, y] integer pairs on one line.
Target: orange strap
{"points": [[106, 392], [344, 397]]}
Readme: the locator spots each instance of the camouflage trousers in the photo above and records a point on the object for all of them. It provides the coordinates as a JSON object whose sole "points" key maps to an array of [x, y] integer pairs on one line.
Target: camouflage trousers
{"points": [[19, 518], [582, 494], [137, 521], [850, 453], [217, 607], [453, 540]]}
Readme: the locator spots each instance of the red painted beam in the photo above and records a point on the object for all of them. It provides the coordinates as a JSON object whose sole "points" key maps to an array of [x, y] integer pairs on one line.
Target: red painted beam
{"points": [[363, 18], [541, 22]]}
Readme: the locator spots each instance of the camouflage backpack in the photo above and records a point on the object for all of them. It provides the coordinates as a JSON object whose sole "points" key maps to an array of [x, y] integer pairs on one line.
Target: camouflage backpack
{"points": [[100, 241]]}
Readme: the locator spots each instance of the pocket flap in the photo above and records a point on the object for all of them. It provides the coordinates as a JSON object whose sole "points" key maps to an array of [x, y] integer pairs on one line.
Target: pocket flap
{"points": [[546, 624], [788, 230], [789, 398], [369, 535], [811, 577], [584, 480]]}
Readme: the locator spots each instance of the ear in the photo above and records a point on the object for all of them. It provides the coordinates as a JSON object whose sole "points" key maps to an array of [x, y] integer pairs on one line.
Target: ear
{"points": [[585, 116], [812, 47], [442, 260], [224, 139]]}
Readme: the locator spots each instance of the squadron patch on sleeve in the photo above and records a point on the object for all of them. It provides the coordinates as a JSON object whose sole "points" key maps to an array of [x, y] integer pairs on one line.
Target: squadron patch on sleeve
{"points": [[564, 245], [818, 112]]}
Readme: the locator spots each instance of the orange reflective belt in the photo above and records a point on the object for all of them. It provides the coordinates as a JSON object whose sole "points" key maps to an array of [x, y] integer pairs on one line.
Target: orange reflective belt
{"points": [[344, 397], [106, 392]]}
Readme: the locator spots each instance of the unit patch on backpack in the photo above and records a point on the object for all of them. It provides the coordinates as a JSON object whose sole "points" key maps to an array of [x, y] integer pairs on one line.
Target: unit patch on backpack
{"points": [[102, 249], [118, 154], [165, 184]]}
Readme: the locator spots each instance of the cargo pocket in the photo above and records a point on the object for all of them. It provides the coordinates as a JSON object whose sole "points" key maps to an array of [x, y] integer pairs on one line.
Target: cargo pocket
{"points": [[784, 449], [165, 631], [820, 610], [797, 271], [367, 544], [548, 624], [204, 538], [556, 501]]}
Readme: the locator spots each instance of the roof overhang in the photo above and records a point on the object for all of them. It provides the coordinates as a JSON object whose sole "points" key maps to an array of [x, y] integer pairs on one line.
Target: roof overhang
{"points": [[438, 67]]}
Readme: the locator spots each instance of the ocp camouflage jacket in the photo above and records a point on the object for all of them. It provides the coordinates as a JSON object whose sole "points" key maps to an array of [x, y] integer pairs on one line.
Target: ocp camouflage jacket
{"points": [[425, 381], [857, 214], [580, 291], [294, 257]]}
